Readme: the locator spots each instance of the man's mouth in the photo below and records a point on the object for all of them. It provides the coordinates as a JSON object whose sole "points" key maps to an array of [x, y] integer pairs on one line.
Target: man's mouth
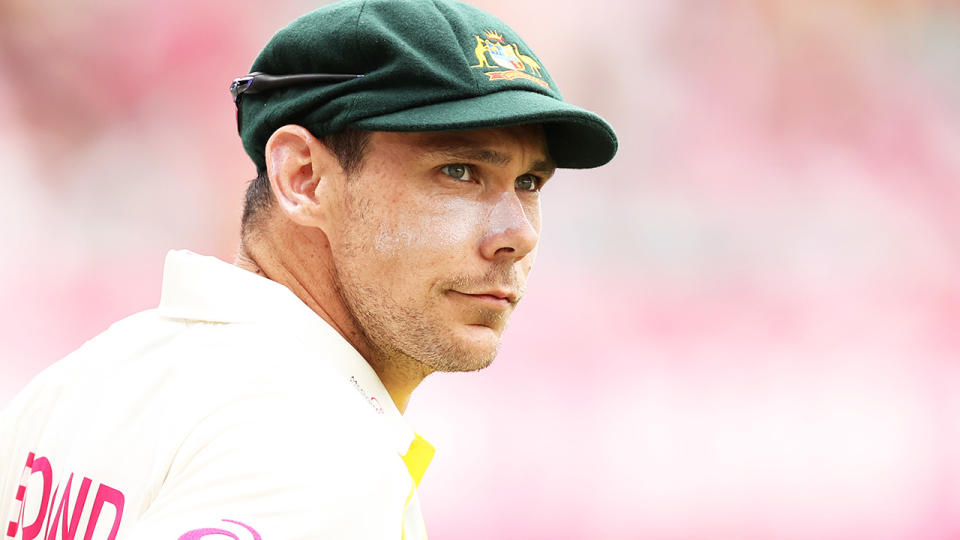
{"points": [[495, 298]]}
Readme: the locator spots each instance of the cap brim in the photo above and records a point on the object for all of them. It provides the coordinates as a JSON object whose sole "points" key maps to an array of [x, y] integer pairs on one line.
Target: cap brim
{"points": [[576, 138]]}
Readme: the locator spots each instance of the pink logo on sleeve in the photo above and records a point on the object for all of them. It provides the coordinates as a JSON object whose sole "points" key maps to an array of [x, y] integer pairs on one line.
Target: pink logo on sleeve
{"points": [[197, 534]]}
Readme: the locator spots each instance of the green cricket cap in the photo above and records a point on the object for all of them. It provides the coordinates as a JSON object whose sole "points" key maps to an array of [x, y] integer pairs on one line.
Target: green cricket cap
{"points": [[426, 65]]}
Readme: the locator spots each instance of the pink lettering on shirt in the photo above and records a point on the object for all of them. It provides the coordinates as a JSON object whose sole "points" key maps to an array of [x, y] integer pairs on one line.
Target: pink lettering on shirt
{"points": [[62, 520], [68, 530], [40, 465], [106, 495], [14, 526]]}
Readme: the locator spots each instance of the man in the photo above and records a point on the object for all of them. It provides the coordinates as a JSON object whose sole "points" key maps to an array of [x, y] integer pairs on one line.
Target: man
{"points": [[401, 147]]}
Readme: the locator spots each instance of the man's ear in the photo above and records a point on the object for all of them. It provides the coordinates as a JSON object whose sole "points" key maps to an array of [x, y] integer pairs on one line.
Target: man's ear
{"points": [[297, 164]]}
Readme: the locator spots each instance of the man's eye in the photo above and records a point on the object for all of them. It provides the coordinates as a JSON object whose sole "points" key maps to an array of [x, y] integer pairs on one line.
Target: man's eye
{"points": [[458, 171], [528, 182]]}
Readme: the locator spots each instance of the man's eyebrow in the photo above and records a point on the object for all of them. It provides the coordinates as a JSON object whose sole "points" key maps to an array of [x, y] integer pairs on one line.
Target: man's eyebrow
{"points": [[454, 150], [544, 166], [469, 153]]}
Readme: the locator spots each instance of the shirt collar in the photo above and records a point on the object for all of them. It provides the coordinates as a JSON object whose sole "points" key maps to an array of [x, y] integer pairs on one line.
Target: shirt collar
{"points": [[202, 288]]}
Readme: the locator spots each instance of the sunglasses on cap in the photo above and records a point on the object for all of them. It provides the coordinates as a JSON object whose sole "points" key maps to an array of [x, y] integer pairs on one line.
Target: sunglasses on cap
{"points": [[257, 82]]}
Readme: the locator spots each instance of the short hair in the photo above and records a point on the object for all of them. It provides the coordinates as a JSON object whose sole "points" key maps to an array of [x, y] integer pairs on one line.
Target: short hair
{"points": [[350, 148]]}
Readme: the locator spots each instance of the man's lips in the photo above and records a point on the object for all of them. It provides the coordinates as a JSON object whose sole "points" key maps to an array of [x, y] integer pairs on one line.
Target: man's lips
{"points": [[497, 299]]}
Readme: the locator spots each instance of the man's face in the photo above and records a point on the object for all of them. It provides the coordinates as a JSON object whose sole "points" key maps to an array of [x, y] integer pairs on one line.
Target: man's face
{"points": [[434, 238]]}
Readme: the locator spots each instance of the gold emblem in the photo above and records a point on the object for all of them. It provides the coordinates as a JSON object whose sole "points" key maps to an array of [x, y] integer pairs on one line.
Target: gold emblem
{"points": [[515, 64]]}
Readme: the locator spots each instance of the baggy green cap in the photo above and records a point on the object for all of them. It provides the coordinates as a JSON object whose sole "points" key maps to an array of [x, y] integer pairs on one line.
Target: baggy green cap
{"points": [[427, 65]]}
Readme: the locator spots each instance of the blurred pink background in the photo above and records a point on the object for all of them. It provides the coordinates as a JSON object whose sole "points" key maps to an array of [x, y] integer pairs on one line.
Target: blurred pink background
{"points": [[745, 327]]}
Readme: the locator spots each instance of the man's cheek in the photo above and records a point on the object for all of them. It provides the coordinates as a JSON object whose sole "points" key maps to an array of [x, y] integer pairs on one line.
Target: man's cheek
{"points": [[426, 233]]}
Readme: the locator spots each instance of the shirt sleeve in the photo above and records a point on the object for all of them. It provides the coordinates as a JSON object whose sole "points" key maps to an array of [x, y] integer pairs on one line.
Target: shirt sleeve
{"points": [[21, 424], [266, 466]]}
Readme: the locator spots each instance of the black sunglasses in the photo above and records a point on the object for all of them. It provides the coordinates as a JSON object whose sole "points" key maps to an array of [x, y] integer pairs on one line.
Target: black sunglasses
{"points": [[257, 82]]}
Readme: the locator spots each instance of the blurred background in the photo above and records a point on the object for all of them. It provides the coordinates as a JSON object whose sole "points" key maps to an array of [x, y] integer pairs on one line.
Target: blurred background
{"points": [[745, 327]]}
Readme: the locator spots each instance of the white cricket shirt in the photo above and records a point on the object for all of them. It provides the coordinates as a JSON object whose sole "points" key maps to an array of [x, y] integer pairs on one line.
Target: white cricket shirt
{"points": [[231, 411]]}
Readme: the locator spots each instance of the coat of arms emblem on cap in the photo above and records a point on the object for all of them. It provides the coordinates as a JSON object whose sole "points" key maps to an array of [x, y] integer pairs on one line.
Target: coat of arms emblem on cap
{"points": [[492, 46]]}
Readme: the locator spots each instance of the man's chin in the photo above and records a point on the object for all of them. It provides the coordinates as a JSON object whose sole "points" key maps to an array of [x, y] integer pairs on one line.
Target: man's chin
{"points": [[473, 349], [464, 363]]}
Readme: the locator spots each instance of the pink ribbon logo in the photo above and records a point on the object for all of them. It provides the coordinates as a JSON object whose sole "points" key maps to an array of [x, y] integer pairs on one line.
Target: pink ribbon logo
{"points": [[197, 534]]}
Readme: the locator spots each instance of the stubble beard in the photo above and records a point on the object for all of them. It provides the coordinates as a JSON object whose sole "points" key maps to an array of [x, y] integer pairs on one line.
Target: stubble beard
{"points": [[400, 334], [409, 334]]}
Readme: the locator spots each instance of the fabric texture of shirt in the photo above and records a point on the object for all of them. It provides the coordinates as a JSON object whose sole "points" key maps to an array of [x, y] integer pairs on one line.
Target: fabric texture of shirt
{"points": [[232, 409]]}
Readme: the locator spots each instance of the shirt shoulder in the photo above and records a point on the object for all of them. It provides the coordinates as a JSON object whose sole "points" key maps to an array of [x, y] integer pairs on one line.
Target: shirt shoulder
{"points": [[286, 445], [232, 401], [179, 416]]}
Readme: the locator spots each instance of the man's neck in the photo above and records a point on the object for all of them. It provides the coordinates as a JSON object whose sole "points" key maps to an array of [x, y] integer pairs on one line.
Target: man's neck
{"points": [[400, 375]]}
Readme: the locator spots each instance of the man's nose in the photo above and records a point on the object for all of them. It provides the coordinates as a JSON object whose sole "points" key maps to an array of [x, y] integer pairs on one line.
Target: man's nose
{"points": [[510, 232]]}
